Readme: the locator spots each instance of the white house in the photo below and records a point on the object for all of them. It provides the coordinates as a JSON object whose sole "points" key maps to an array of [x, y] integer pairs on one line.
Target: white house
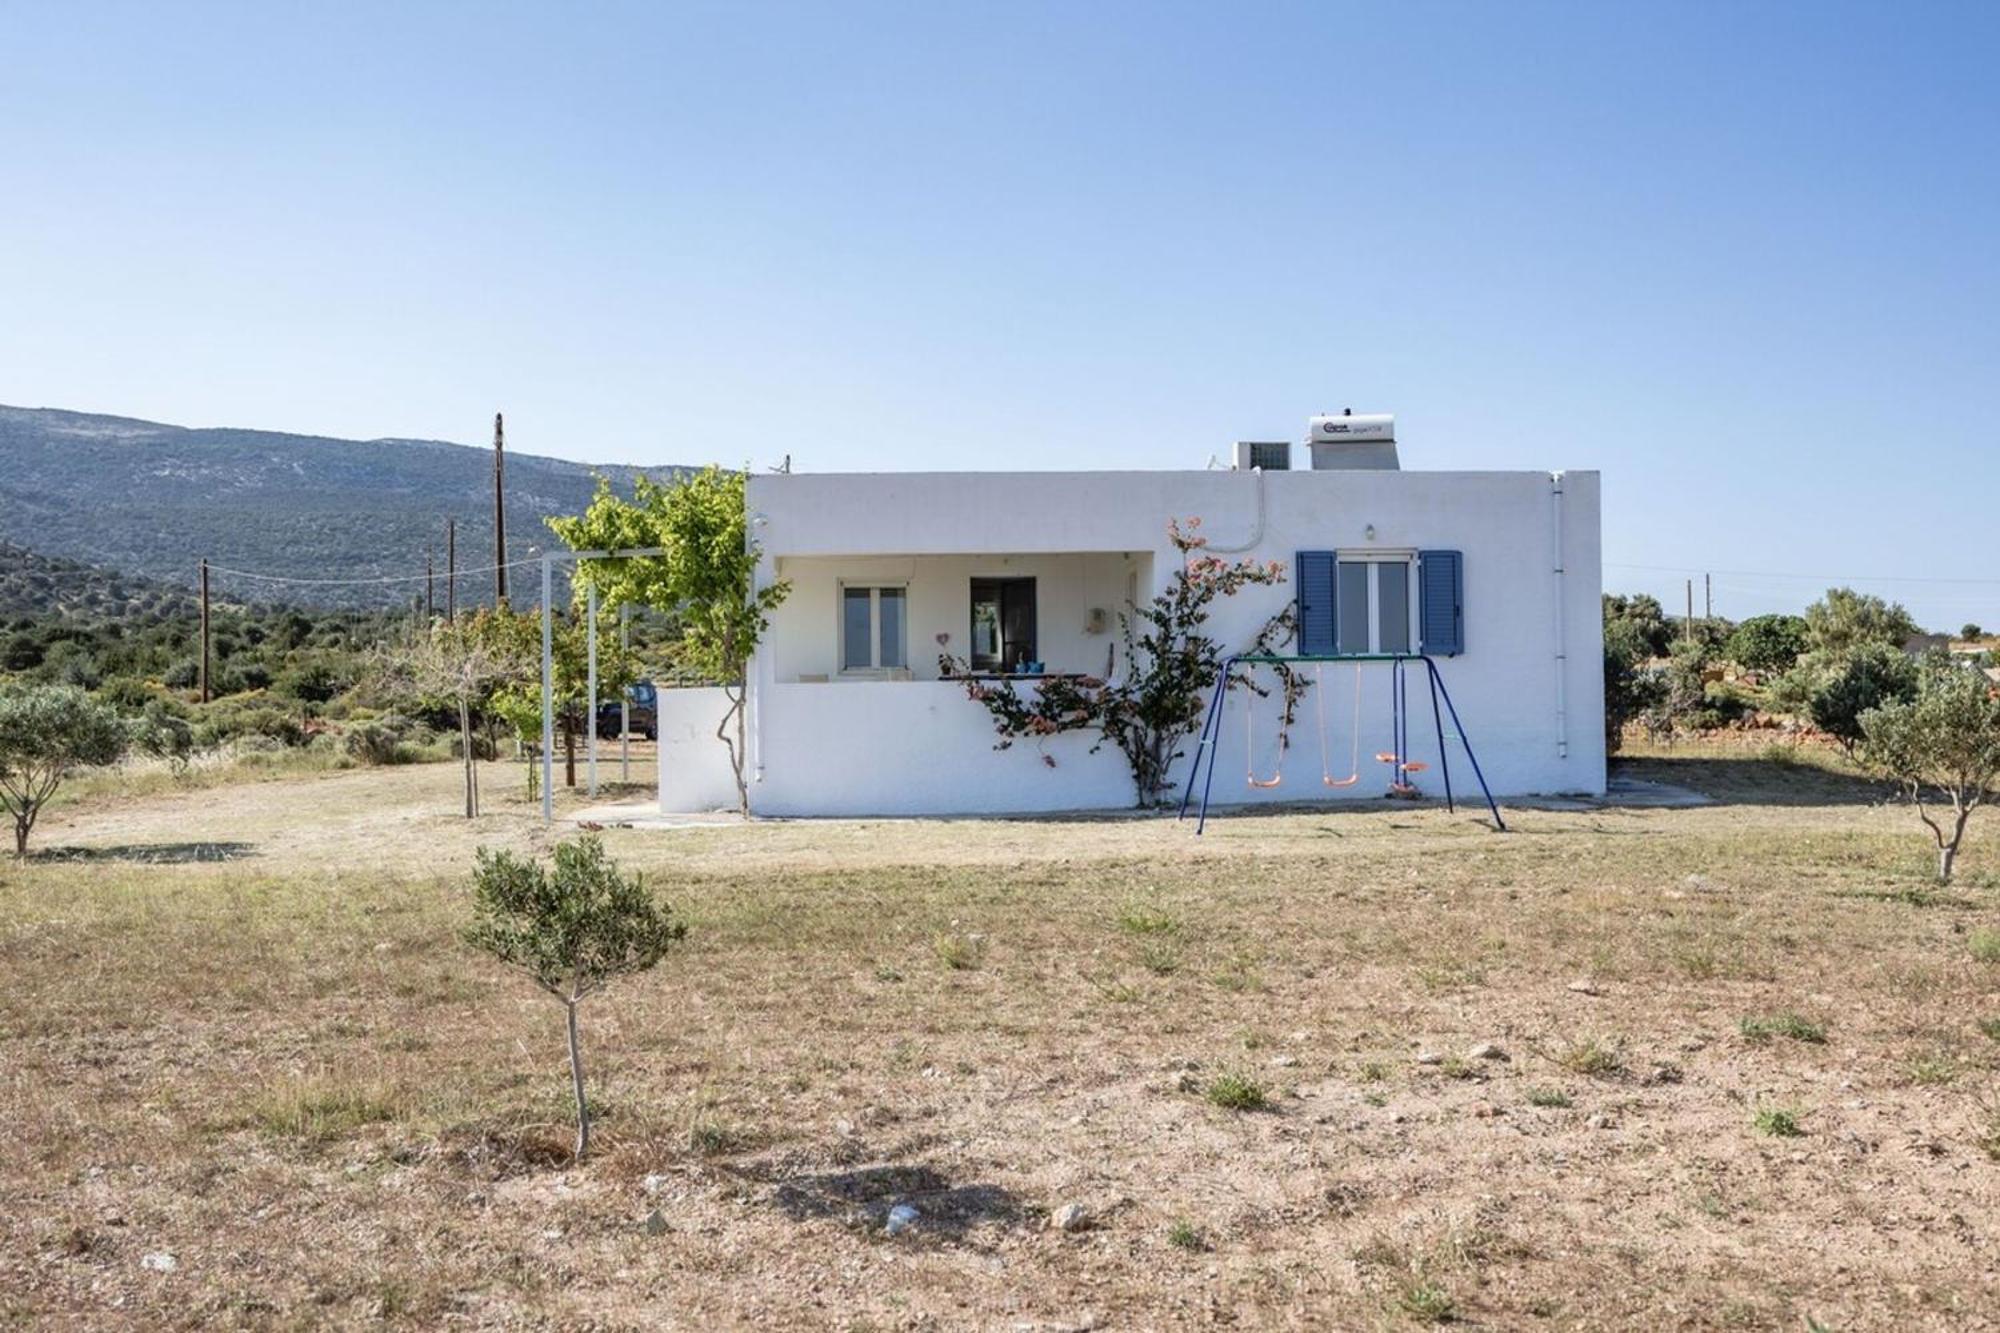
{"points": [[1495, 575]]}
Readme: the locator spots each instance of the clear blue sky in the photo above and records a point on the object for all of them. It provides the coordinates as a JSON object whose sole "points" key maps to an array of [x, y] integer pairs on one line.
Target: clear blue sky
{"points": [[1741, 258]]}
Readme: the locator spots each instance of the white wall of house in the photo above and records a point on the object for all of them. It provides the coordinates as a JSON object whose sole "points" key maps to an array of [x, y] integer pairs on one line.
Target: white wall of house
{"points": [[918, 747], [694, 766], [1528, 686]]}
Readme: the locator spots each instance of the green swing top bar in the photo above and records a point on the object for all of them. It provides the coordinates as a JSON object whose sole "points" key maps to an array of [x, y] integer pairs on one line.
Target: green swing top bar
{"points": [[1275, 659]]}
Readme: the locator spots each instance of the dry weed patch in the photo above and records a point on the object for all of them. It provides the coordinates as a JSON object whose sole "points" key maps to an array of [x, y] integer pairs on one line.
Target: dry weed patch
{"points": [[281, 1070]]}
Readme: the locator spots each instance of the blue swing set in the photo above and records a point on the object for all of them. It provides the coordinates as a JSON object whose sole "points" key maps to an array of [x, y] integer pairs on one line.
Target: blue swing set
{"points": [[1399, 713]]}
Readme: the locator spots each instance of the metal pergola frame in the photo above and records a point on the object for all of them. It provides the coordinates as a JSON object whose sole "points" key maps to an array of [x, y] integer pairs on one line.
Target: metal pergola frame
{"points": [[1211, 726], [549, 671]]}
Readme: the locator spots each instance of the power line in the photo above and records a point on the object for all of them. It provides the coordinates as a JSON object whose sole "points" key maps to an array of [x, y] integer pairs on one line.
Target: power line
{"points": [[371, 581], [1684, 570]]}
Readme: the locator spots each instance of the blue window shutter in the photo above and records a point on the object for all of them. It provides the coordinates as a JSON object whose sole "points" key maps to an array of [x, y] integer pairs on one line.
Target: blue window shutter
{"points": [[1441, 604], [1316, 603]]}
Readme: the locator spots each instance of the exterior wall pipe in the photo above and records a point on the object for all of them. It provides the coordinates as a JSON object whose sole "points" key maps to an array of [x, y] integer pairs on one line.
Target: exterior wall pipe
{"points": [[1562, 636]]}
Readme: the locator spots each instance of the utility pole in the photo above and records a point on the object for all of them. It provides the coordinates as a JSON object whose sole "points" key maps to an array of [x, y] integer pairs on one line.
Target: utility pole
{"points": [[430, 589], [451, 569], [1687, 622], [204, 630], [1707, 597], [499, 512], [624, 698]]}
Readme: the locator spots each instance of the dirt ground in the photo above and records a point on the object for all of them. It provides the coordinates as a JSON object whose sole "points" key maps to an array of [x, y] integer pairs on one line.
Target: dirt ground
{"points": [[1725, 1067]]}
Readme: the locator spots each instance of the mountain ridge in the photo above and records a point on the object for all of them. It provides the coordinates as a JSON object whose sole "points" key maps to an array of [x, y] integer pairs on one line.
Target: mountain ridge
{"points": [[151, 499]]}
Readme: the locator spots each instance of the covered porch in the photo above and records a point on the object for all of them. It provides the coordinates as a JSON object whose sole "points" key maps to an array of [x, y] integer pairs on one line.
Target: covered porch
{"points": [[894, 618]]}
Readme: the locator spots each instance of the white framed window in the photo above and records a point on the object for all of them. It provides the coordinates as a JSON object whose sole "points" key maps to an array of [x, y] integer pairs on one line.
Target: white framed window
{"points": [[874, 624], [1375, 602]]}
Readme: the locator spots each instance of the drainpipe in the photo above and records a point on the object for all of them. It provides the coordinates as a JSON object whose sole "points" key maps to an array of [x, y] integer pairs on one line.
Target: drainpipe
{"points": [[1257, 533], [1562, 637], [754, 684], [754, 669], [753, 689]]}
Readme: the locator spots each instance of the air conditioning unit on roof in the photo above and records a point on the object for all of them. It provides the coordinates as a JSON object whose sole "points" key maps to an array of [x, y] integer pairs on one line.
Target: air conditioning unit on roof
{"points": [[1270, 455]]}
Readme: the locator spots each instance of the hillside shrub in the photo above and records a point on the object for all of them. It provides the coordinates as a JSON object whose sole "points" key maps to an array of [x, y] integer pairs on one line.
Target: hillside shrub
{"points": [[125, 693], [248, 718], [1856, 681], [161, 733], [1639, 624], [1845, 620], [382, 741], [1632, 688], [1683, 694], [1767, 643]]}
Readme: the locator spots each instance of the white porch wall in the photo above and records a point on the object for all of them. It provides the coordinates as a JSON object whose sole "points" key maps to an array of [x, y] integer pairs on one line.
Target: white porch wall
{"points": [[805, 634], [929, 751], [919, 748], [694, 765]]}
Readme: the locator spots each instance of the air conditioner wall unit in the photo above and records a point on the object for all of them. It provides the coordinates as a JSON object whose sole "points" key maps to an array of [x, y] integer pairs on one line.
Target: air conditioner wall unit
{"points": [[1270, 455]]}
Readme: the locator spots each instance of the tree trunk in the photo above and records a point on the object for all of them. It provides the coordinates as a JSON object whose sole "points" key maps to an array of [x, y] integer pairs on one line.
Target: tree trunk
{"points": [[735, 745], [742, 752], [1946, 855], [576, 1084], [569, 752], [22, 823], [465, 744]]}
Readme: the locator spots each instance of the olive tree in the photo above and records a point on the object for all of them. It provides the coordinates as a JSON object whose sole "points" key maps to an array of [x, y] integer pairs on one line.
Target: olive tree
{"points": [[1941, 747], [461, 664], [572, 932], [1767, 643], [47, 732], [1845, 619]]}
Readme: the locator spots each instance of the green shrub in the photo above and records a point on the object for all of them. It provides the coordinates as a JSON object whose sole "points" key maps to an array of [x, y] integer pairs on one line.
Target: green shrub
{"points": [[382, 741], [1767, 643], [247, 717], [1860, 679], [1631, 688], [160, 732]]}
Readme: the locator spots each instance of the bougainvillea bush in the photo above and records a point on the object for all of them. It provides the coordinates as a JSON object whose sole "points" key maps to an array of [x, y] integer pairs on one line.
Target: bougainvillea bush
{"points": [[1171, 664]]}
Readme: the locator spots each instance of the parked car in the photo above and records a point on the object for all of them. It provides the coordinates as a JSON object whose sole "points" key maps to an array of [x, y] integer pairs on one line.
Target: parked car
{"points": [[643, 714]]}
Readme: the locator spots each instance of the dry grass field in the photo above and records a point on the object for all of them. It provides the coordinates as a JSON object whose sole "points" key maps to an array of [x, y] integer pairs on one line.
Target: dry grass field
{"points": [[1726, 1067]]}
